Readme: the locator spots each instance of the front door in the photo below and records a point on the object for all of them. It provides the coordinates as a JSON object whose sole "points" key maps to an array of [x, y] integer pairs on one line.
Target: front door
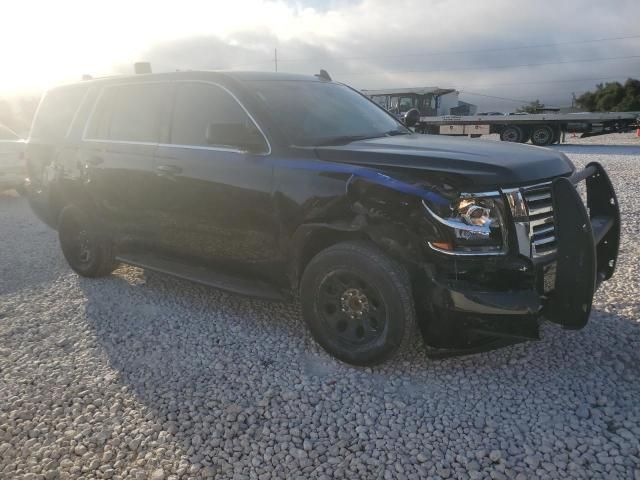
{"points": [[215, 199]]}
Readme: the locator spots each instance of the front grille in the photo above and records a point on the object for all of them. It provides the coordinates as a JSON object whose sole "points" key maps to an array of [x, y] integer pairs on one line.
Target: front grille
{"points": [[542, 230]]}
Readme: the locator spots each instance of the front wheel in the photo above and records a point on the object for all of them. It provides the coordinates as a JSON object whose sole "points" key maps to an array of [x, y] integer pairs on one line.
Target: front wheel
{"points": [[88, 252], [357, 302]]}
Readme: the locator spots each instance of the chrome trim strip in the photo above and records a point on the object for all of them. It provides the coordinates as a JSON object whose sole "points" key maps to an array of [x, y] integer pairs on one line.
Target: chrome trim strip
{"points": [[550, 229], [544, 241], [465, 254], [177, 145], [201, 147], [123, 142], [541, 221], [75, 115], [457, 225], [480, 194], [538, 197], [539, 211]]}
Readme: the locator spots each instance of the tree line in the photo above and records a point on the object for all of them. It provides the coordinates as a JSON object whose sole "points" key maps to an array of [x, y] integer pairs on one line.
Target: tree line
{"points": [[607, 97]]}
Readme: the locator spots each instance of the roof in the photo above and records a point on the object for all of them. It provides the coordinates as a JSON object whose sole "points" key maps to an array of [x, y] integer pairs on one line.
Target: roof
{"points": [[197, 74], [414, 90]]}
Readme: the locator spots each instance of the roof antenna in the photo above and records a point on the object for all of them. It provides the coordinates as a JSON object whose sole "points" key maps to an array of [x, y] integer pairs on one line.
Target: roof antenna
{"points": [[323, 75], [142, 67]]}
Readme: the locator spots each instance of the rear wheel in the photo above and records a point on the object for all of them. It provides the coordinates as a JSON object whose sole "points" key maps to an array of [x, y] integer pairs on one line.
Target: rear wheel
{"points": [[88, 252], [357, 303], [542, 135], [511, 133]]}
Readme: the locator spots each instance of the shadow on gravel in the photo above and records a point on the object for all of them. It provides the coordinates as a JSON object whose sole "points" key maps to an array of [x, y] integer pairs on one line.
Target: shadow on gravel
{"points": [[594, 149], [23, 239], [226, 375]]}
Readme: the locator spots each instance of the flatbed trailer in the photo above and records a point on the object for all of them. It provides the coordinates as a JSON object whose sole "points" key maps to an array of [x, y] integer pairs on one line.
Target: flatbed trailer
{"points": [[540, 128]]}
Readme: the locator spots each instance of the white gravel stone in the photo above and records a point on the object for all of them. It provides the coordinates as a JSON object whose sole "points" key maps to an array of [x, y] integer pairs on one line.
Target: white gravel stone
{"points": [[139, 375]]}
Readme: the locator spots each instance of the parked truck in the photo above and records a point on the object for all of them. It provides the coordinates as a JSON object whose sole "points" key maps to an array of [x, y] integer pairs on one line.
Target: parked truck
{"points": [[541, 129]]}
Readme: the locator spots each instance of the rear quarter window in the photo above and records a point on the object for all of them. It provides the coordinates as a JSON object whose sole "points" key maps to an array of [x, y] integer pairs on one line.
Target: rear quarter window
{"points": [[56, 112]]}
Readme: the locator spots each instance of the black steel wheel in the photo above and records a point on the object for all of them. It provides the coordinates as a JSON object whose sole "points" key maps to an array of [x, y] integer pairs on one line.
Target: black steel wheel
{"points": [[351, 308], [87, 251], [511, 133], [357, 303], [542, 135]]}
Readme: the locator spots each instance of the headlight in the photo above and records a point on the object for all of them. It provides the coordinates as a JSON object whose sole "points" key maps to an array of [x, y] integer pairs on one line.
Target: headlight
{"points": [[472, 225]]}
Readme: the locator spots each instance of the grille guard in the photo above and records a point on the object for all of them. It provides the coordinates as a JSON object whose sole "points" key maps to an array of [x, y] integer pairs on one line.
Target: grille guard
{"points": [[588, 241]]}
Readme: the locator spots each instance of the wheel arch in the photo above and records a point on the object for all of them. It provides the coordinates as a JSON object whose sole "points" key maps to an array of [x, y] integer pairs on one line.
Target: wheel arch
{"points": [[311, 239], [68, 193]]}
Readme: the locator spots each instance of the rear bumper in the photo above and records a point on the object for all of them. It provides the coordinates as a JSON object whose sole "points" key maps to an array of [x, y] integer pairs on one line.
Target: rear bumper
{"points": [[461, 310]]}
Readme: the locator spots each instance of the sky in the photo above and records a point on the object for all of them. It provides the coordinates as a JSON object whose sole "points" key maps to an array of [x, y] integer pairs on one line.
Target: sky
{"points": [[498, 53]]}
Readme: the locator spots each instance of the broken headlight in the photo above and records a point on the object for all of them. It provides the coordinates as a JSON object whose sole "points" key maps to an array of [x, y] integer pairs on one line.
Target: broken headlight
{"points": [[473, 224]]}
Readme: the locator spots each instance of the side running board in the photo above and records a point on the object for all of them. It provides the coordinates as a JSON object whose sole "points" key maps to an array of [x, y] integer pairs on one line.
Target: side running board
{"points": [[199, 274]]}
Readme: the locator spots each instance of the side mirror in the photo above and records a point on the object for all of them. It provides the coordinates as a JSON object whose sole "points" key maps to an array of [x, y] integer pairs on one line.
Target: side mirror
{"points": [[236, 135], [412, 117]]}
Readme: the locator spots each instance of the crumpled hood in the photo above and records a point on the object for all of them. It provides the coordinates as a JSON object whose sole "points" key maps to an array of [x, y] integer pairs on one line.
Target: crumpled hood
{"points": [[481, 162]]}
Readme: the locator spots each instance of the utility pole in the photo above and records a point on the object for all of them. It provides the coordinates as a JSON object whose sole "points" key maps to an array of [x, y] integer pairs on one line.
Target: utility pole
{"points": [[275, 57]]}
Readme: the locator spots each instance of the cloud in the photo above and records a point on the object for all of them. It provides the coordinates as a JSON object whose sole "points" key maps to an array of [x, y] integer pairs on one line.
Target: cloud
{"points": [[368, 43], [374, 43]]}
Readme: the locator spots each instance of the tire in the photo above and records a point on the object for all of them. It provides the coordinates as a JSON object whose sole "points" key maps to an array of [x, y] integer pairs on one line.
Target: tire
{"points": [[542, 135], [357, 303], [511, 133], [88, 252], [526, 135]]}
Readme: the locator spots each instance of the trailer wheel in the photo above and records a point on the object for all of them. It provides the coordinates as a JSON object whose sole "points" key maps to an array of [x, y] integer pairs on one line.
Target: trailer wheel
{"points": [[511, 133], [542, 135]]}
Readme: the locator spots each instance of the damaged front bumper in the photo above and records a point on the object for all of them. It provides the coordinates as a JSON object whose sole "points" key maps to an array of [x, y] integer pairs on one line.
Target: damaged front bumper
{"points": [[479, 304]]}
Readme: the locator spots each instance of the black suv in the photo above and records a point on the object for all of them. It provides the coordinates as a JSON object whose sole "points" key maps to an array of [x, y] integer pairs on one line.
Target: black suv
{"points": [[281, 185]]}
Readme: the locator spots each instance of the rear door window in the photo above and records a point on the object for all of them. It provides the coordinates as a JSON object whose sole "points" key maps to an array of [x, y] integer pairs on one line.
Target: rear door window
{"points": [[132, 113], [56, 112]]}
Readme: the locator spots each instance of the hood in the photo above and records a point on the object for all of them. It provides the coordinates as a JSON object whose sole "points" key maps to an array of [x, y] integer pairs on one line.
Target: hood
{"points": [[480, 163]]}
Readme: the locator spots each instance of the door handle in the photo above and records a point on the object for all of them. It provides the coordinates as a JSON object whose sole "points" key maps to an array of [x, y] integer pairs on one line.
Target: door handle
{"points": [[168, 169]]}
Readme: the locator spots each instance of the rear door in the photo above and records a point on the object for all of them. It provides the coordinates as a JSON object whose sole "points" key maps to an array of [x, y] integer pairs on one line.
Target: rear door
{"points": [[119, 146], [216, 204]]}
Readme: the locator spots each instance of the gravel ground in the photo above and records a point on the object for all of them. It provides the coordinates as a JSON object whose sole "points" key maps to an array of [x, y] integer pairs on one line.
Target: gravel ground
{"points": [[139, 375]]}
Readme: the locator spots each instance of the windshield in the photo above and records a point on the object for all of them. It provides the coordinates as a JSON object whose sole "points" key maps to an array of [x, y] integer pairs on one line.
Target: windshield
{"points": [[317, 113]]}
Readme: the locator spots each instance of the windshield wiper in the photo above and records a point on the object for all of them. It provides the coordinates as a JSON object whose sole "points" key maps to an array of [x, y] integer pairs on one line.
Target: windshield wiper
{"points": [[393, 133], [343, 140]]}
